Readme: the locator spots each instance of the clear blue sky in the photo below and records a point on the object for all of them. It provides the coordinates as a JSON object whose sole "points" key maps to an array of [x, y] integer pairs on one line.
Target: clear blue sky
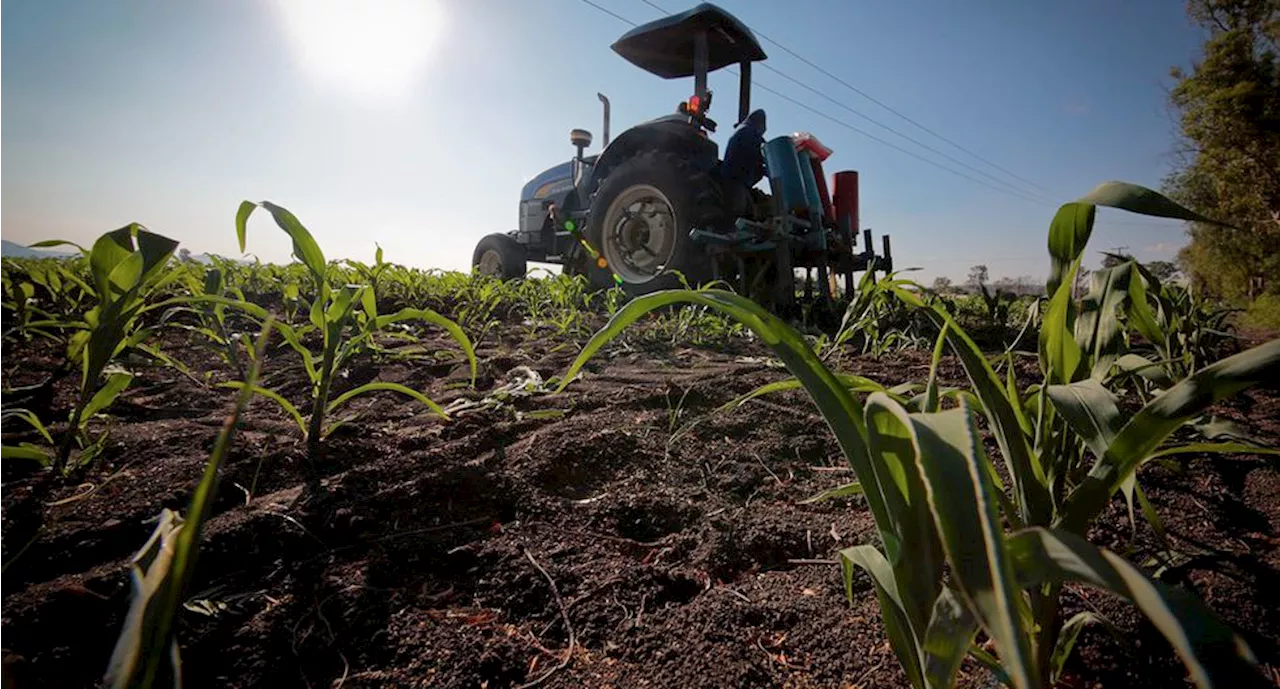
{"points": [[419, 135]]}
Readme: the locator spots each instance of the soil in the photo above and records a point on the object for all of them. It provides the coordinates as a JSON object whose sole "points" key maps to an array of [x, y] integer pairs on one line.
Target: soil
{"points": [[451, 554]]}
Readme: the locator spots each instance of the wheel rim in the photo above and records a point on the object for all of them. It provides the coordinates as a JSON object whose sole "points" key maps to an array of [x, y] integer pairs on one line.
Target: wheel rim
{"points": [[639, 237], [491, 263]]}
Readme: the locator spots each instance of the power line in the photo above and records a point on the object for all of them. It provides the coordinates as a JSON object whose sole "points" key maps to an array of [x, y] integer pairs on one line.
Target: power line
{"points": [[1012, 191], [872, 120], [923, 128]]}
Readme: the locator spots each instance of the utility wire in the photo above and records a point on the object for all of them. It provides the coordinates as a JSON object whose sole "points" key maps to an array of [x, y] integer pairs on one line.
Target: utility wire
{"points": [[1012, 191], [1026, 192], [923, 128]]}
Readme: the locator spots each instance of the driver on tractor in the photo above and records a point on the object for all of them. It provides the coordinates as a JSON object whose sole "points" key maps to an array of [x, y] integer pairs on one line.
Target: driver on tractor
{"points": [[743, 164]]}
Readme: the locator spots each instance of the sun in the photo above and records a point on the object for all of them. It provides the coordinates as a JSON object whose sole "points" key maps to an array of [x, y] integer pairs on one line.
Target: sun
{"points": [[366, 48]]}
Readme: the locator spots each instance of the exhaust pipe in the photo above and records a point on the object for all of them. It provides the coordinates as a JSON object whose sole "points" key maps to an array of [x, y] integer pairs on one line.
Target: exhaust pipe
{"points": [[605, 100]]}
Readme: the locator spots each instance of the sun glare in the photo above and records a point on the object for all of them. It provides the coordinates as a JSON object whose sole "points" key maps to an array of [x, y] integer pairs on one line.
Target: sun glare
{"points": [[367, 48]]}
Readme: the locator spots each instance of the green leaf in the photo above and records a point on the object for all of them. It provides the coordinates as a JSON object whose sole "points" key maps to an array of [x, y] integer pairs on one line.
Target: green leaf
{"points": [[388, 387], [840, 409], [851, 383], [116, 383], [931, 401], [427, 315], [26, 451], [1147, 429], [897, 625], [1130, 364], [1027, 474], [844, 490], [947, 639], [32, 420], [1139, 199], [1091, 409], [274, 397], [1068, 234], [964, 507], [305, 248], [1213, 448], [164, 567], [1067, 642], [1213, 653], [1060, 356]]}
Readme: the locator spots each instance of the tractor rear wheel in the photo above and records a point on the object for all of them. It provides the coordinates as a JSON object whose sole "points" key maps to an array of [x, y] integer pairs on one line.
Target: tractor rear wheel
{"points": [[501, 256], [640, 221]]}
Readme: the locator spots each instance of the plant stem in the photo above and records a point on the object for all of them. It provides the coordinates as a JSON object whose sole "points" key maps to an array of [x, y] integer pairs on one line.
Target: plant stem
{"points": [[1045, 614], [322, 394]]}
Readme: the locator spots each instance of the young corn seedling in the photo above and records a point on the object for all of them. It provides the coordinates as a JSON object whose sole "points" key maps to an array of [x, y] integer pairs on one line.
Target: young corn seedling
{"points": [[937, 499], [126, 266], [212, 321], [347, 320], [146, 652]]}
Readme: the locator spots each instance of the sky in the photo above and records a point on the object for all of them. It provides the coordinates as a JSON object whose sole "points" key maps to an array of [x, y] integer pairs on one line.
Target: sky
{"points": [[412, 124]]}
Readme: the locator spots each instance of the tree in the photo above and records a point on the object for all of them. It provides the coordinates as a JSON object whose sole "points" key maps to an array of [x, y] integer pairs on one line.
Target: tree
{"points": [[1229, 115], [1163, 270], [942, 284], [978, 276]]}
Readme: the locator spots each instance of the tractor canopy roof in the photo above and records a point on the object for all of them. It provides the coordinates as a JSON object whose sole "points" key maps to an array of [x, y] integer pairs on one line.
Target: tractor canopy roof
{"points": [[665, 47]]}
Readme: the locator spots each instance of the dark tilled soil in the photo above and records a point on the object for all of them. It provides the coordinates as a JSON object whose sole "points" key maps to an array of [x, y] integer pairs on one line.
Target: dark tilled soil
{"points": [[450, 553]]}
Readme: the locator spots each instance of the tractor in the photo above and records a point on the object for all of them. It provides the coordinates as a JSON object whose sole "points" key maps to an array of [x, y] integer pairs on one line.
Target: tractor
{"points": [[658, 208]]}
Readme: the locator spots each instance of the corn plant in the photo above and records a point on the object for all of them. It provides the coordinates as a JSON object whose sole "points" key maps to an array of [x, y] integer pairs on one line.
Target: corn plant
{"points": [[937, 500], [126, 266], [212, 321], [146, 652], [347, 320]]}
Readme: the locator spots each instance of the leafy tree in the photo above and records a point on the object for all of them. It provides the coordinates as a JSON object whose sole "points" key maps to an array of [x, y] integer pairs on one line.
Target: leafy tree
{"points": [[1163, 270], [978, 275], [1228, 105], [942, 284]]}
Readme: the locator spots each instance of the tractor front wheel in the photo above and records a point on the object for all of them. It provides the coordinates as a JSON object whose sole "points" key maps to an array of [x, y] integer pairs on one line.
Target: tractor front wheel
{"points": [[640, 221], [500, 256]]}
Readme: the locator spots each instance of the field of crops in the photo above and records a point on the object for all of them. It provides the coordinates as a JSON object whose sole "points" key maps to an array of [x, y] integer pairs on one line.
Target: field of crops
{"points": [[336, 474]]}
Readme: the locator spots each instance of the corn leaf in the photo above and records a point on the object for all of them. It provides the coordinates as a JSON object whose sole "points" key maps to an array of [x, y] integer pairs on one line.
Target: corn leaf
{"points": [[305, 248], [164, 567], [1068, 234], [1090, 409], [116, 383], [1213, 653], [842, 412], [285, 404], [898, 626], [28, 452], [1024, 468], [964, 507], [1067, 637], [1139, 199], [947, 639], [892, 442], [429, 316], [388, 387], [844, 490], [1147, 429]]}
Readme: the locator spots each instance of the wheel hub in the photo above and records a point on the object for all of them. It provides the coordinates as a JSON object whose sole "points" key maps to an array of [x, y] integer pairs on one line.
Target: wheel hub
{"points": [[491, 263], [639, 233]]}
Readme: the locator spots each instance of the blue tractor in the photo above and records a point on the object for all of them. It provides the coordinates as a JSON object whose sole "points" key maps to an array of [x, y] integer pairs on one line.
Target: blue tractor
{"points": [[658, 207]]}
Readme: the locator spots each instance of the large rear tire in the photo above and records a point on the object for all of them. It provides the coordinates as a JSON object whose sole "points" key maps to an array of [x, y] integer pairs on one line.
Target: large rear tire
{"points": [[640, 221], [500, 256]]}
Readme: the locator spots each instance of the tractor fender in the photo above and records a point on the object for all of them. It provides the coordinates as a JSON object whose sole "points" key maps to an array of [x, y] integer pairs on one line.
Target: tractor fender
{"points": [[672, 134]]}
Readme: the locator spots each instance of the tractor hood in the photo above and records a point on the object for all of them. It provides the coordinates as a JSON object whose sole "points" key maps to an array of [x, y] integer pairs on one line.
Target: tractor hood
{"points": [[665, 46]]}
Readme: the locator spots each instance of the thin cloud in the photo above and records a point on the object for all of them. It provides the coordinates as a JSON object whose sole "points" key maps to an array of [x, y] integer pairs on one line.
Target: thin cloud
{"points": [[1163, 248]]}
